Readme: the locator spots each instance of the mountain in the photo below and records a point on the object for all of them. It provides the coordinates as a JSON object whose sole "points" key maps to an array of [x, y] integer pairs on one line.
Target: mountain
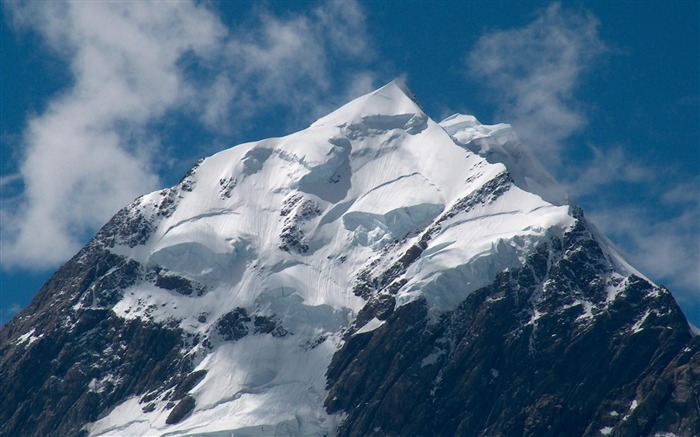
{"points": [[377, 273]]}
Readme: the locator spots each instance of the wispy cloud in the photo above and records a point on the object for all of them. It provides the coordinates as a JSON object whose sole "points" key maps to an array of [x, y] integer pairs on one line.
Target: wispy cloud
{"points": [[534, 71], [607, 167], [304, 64], [9, 179], [683, 193], [135, 63]]}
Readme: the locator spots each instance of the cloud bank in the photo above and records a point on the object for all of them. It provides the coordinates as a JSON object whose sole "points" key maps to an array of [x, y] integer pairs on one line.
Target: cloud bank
{"points": [[135, 64]]}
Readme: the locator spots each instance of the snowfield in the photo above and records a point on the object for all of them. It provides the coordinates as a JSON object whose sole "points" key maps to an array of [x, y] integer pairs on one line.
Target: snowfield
{"points": [[285, 227]]}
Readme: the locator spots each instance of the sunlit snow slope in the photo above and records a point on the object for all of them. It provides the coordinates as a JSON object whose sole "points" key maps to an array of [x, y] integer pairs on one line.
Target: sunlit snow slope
{"points": [[263, 251]]}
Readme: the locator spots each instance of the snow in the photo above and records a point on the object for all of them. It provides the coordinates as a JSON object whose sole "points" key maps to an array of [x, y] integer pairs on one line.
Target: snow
{"points": [[266, 390], [499, 144], [352, 192], [637, 327], [621, 266], [632, 407], [615, 284], [132, 420], [390, 100], [587, 311], [473, 247], [28, 338], [370, 326], [382, 215]]}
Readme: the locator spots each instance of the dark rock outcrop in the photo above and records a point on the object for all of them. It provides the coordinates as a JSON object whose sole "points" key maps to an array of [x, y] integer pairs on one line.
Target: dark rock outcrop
{"points": [[67, 358], [543, 351], [181, 410]]}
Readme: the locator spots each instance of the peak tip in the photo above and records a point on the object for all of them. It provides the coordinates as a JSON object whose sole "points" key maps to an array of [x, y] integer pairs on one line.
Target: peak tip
{"points": [[401, 84], [391, 99]]}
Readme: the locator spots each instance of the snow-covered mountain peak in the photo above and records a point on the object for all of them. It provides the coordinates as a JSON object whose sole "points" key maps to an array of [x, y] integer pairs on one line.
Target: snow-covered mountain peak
{"points": [[393, 100], [250, 298], [298, 232]]}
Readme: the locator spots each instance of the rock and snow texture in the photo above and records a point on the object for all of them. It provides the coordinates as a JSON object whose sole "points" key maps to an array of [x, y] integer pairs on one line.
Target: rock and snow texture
{"points": [[270, 257], [286, 242]]}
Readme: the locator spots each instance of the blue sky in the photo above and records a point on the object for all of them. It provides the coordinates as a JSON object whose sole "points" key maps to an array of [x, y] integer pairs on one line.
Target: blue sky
{"points": [[104, 101]]}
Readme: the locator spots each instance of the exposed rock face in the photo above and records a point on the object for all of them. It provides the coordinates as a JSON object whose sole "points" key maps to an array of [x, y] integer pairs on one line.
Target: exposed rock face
{"points": [[543, 351], [74, 361], [67, 358]]}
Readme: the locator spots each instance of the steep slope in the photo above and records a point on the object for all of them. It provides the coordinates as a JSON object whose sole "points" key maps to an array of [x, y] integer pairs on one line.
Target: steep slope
{"points": [[559, 346], [376, 272]]}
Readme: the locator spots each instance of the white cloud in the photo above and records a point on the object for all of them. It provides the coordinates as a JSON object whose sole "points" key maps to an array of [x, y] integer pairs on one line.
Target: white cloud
{"points": [[533, 72], [133, 63], [684, 193], [660, 236], [9, 179], [607, 167], [344, 27], [293, 63], [88, 153]]}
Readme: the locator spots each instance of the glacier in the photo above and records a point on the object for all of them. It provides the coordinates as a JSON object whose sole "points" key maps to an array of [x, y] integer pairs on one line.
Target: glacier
{"points": [[360, 184]]}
